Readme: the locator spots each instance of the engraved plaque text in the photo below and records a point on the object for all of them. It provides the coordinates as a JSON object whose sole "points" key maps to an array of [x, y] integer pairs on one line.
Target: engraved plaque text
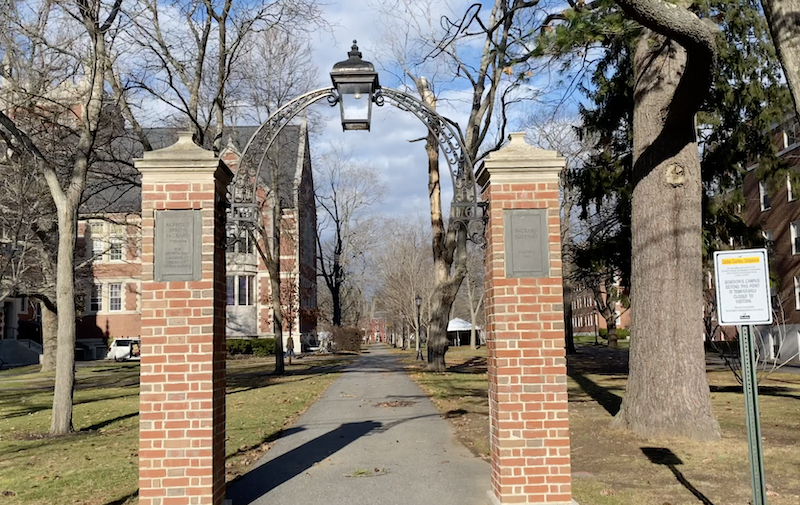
{"points": [[178, 245], [527, 250]]}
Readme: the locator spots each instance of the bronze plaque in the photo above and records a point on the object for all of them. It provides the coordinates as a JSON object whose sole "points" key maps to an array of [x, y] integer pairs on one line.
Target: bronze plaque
{"points": [[178, 245], [527, 248]]}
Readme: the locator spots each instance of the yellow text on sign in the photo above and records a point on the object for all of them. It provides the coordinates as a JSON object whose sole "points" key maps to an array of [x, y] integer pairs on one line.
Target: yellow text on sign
{"points": [[740, 261]]}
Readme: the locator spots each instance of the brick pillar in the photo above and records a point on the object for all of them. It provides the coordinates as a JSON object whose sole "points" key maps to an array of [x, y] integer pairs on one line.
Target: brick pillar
{"points": [[182, 399], [529, 431]]}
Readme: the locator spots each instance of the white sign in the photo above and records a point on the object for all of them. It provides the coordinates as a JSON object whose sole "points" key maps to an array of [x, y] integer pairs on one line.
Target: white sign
{"points": [[743, 294]]}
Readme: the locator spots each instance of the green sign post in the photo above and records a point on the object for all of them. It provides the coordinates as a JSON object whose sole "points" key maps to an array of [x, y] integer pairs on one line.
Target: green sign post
{"points": [[743, 299], [750, 384]]}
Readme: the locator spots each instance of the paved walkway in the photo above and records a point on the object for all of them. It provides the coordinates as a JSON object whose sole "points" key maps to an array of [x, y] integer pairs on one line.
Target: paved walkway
{"points": [[373, 438]]}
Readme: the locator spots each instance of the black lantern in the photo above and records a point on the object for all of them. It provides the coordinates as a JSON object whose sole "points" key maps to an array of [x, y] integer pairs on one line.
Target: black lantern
{"points": [[356, 82]]}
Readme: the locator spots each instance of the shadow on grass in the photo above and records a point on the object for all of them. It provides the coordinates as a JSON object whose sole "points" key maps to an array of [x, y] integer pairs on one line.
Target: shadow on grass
{"points": [[103, 424], [16, 400], [780, 391], [451, 414], [664, 456], [476, 365], [604, 396], [124, 499]]}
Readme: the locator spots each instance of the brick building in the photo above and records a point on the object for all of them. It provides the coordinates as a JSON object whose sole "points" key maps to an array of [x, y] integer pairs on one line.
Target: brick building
{"points": [[774, 207], [110, 242], [587, 320]]}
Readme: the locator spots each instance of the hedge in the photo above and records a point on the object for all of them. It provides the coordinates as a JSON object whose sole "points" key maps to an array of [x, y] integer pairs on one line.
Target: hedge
{"points": [[346, 339], [622, 333], [256, 347]]}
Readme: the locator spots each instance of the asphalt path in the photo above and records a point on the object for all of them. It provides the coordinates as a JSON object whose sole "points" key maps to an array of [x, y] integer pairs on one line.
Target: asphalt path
{"points": [[373, 438]]}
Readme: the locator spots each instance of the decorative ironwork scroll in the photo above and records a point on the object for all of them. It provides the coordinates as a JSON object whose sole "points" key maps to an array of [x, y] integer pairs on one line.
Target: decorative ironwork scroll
{"points": [[465, 208], [243, 190]]}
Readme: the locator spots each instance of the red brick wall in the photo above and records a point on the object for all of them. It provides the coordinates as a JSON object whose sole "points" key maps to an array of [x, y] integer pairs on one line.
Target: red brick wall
{"points": [[182, 399], [527, 366]]}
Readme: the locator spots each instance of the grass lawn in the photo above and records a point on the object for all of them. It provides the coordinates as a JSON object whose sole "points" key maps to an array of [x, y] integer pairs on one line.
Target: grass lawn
{"points": [[98, 465], [613, 467]]}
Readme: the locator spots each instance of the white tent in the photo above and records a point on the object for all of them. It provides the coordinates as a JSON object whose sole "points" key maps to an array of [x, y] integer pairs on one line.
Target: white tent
{"points": [[459, 324]]}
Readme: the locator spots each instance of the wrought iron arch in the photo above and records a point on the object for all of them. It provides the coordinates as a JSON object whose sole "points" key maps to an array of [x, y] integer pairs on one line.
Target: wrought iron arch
{"points": [[465, 209]]}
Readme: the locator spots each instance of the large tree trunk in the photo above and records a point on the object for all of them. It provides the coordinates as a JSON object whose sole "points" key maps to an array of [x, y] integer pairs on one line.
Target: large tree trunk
{"points": [[61, 423], [569, 331], [667, 393], [567, 204], [277, 319], [449, 250], [49, 337], [336, 292], [611, 326], [782, 20]]}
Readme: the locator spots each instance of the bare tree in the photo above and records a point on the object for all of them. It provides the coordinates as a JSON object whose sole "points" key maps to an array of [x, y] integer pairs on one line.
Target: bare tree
{"points": [[276, 68], [404, 269], [182, 57], [420, 43], [557, 132], [344, 191], [59, 43], [475, 291]]}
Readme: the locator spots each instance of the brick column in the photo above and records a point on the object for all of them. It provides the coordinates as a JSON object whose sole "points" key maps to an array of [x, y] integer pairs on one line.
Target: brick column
{"points": [[529, 429], [182, 399]]}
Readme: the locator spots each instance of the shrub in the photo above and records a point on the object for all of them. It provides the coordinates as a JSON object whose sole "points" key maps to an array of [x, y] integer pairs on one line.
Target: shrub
{"points": [[256, 347], [621, 333], [263, 347], [346, 339], [239, 346]]}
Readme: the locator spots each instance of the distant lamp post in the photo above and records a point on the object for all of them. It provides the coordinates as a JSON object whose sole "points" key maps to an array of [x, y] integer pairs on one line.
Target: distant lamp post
{"points": [[356, 81], [418, 299]]}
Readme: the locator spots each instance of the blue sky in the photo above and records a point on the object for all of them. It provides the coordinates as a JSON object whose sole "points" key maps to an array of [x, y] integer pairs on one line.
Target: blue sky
{"points": [[401, 164]]}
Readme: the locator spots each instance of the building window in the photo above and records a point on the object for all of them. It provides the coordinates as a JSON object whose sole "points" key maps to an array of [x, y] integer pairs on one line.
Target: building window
{"points": [[763, 195], [246, 289], [768, 239], [96, 298], [797, 293], [791, 134], [794, 228], [115, 297], [792, 190], [242, 244], [115, 249], [241, 289], [231, 290], [98, 247]]}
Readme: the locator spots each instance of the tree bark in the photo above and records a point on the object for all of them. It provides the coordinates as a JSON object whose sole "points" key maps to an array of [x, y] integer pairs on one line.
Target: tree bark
{"points": [[611, 326], [61, 422], [567, 204], [783, 26], [49, 337], [667, 392]]}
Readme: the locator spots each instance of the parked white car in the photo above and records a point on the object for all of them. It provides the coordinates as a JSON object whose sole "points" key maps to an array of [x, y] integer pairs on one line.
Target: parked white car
{"points": [[124, 349]]}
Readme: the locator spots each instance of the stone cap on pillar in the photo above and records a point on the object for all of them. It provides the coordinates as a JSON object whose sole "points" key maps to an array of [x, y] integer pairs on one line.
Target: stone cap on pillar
{"points": [[181, 159], [518, 160]]}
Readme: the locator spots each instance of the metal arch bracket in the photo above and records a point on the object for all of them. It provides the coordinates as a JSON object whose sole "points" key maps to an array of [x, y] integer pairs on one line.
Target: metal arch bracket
{"points": [[465, 209]]}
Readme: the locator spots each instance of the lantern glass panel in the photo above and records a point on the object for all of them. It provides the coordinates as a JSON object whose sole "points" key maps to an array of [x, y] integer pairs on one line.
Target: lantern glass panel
{"points": [[355, 101]]}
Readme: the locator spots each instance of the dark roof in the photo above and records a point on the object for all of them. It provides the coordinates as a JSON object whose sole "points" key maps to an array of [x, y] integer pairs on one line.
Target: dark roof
{"points": [[114, 185]]}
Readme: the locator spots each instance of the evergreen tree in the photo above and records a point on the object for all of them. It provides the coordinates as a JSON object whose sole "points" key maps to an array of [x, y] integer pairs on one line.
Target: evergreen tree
{"points": [[733, 124]]}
